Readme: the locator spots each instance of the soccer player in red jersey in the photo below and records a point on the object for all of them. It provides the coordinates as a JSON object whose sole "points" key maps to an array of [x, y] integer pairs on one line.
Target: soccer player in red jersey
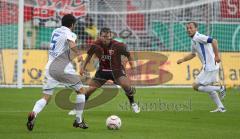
{"points": [[109, 53]]}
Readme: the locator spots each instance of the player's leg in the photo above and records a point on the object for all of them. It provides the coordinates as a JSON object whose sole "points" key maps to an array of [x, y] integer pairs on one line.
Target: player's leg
{"points": [[217, 88], [124, 82], [71, 79], [94, 84], [41, 103], [204, 84], [213, 95], [99, 79], [211, 83], [48, 87], [80, 103]]}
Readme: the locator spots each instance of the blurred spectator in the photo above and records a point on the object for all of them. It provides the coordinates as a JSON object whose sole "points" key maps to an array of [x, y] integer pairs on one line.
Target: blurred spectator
{"points": [[86, 31]]}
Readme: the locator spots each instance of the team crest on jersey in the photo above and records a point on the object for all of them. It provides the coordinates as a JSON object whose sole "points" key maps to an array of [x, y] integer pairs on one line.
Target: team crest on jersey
{"points": [[111, 52]]}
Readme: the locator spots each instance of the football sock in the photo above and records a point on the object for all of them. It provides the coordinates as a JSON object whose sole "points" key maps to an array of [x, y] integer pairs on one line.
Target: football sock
{"points": [[39, 105], [80, 102], [86, 97], [214, 96], [131, 99], [129, 93], [209, 88]]}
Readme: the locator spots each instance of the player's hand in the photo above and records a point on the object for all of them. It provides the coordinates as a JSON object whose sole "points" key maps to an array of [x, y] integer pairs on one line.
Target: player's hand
{"points": [[82, 71], [180, 61], [80, 58], [217, 59]]}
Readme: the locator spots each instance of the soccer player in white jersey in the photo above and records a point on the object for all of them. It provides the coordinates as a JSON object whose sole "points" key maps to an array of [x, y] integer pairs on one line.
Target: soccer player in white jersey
{"points": [[59, 70], [207, 51]]}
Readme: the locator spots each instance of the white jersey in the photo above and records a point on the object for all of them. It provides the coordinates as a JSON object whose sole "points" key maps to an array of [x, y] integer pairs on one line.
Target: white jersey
{"points": [[59, 44], [202, 45]]}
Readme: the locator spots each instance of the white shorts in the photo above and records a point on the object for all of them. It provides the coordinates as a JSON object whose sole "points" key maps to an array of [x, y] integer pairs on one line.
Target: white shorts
{"points": [[49, 83], [207, 77]]}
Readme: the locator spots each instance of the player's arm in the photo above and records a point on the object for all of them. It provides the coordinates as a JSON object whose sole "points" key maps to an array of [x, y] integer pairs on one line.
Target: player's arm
{"points": [[131, 61], [186, 58], [75, 50], [87, 60], [215, 50], [73, 47], [72, 37], [126, 53], [207, 39], [83, 67]]}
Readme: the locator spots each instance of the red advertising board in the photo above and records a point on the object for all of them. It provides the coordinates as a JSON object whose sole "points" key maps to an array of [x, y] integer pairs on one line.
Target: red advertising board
{"points": [[42, 9], [230, 8], [57, 8], [9, 13]]}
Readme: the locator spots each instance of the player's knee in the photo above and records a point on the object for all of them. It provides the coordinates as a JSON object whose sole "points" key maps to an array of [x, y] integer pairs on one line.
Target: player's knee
{"points": [[125, 86], [81, 91], [92, 88], [130, 91], [124, 82], [47, 97], [195, 86]]}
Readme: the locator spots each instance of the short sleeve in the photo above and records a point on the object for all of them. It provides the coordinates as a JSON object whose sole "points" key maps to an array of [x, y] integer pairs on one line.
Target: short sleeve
{"points": [[71, 36], [203, 38]]}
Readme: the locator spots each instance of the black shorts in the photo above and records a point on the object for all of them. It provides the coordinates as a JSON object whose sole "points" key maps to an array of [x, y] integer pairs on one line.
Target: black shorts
{"points": [[101, 77]]}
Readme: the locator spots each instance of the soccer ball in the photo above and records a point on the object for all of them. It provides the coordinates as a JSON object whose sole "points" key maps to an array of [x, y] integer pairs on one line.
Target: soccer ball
{"points": [[113, 122]]}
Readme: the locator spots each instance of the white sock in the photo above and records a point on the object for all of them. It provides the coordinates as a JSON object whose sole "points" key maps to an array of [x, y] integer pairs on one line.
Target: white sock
{"points": [[209, 88], [214, 96], [39, 105], [80, 102]]}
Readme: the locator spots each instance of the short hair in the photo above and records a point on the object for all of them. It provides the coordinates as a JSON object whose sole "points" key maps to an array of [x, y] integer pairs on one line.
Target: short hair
{"points": [[68, 20], [105, 30], [194, 23]]}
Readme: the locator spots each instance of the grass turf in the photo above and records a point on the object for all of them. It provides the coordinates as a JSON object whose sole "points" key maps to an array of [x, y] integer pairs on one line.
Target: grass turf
{"points": [[166, 113]]}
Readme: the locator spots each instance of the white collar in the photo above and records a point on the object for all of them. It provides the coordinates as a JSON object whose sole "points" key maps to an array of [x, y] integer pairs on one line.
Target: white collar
{"points": [[65, 28], [195, 34]]}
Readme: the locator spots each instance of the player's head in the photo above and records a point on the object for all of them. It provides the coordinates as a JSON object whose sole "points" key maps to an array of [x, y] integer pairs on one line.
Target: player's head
{"points": [[105, 35], [192, 28], [69, 21]]}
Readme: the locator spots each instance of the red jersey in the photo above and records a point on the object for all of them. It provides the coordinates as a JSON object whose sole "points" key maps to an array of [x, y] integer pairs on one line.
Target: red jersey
{"points": [[109, 56]]}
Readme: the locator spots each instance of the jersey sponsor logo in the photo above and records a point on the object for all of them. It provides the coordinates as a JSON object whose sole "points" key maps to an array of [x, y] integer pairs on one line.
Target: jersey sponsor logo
{"points": [[105, 57]]}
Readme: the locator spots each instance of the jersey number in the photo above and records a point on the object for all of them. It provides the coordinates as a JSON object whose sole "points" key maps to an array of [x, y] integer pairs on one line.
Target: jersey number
{"points": [[53, 41]]}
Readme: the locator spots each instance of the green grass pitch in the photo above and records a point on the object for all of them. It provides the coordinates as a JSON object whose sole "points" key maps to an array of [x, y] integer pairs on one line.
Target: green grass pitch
{"points": [[166, 113]]}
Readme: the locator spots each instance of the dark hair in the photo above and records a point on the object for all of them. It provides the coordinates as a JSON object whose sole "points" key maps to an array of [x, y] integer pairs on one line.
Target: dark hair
{"points": [[194, 23], [68, 20], [105, 30]]}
